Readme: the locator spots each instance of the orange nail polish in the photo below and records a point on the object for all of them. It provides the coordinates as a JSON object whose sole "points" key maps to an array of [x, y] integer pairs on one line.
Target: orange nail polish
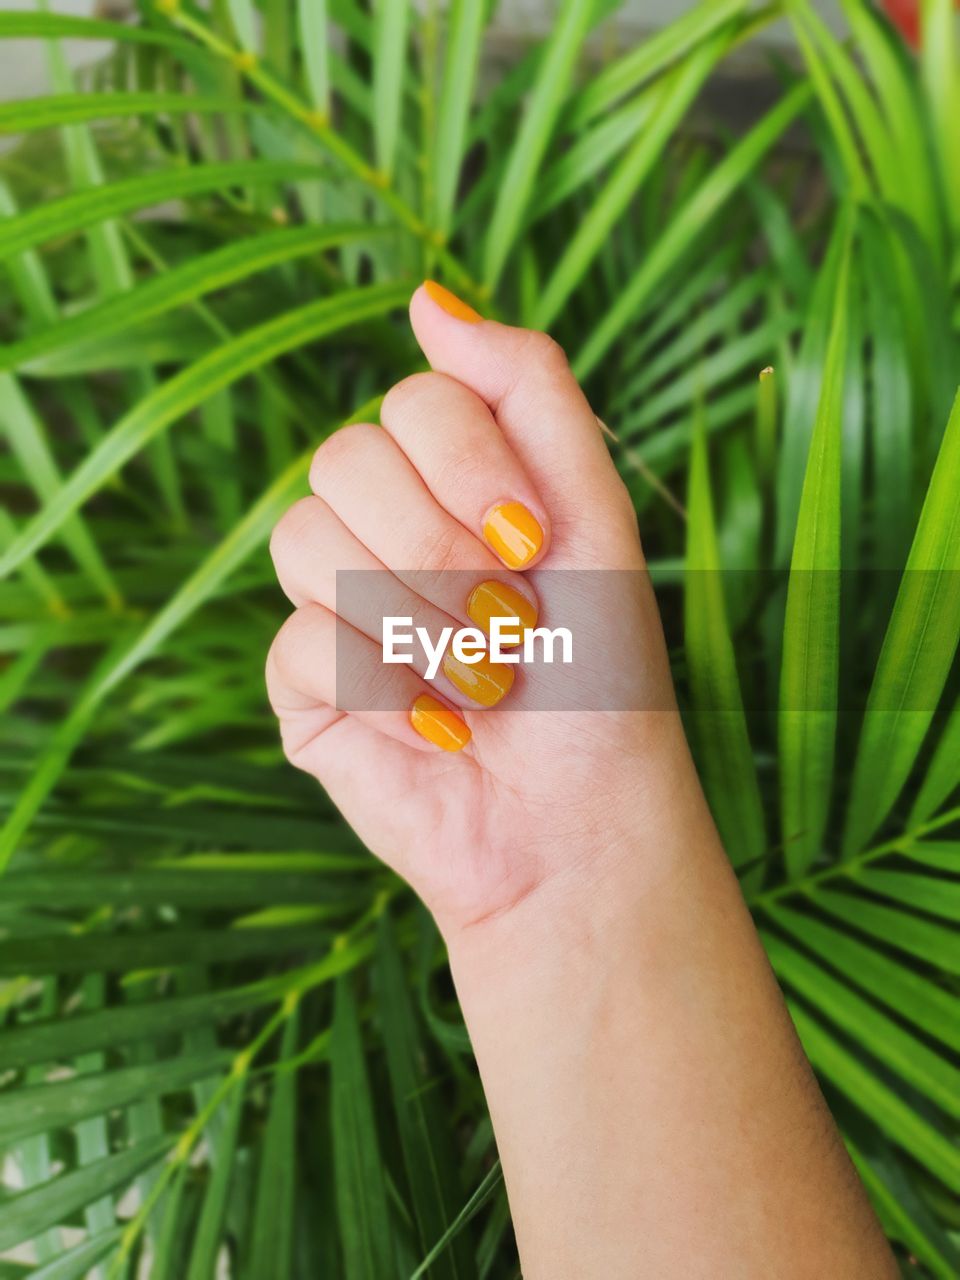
{"points": [[494, 599], [453, 305], [514, 534], [484, 682], [438, 724]]}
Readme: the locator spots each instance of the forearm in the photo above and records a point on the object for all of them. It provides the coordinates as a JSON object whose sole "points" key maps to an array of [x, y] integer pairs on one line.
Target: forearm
{"points": [[654, 1112]]}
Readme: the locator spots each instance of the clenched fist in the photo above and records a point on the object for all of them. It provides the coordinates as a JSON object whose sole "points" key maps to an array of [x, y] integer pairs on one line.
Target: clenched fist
{"points": [[491, 780]]}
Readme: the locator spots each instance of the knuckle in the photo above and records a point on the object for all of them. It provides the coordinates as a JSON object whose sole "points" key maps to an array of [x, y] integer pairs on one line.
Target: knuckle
{"points": [[281, 665], [543, 350], [536, 360], [434, 557], [339, 451], [300, 642], [439, 551], [289, 528], [292, 745], [379, 687], [423, 614], [408, 401], [463, 471]]}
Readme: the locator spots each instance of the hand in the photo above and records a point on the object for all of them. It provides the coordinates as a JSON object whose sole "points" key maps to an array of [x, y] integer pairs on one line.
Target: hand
{"points": [[652, 1107], [484, 475]]}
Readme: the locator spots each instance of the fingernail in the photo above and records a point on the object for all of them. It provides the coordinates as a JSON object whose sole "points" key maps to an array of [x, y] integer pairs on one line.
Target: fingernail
{"points": [[438, 724], [495, 599], [513, 533], [453, 305], [484, 682]]}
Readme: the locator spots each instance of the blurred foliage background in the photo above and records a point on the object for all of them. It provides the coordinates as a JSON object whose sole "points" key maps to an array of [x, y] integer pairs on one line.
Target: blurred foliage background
{"points": [[228, 1040]]}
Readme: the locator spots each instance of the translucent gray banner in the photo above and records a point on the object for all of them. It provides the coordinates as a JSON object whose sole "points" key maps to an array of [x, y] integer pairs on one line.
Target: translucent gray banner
{"points": [[596, 639]]}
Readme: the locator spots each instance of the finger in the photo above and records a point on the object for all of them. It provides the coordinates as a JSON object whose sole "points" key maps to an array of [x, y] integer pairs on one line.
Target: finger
{"points": [[453, 441], [410, 533], [524, 379], [317, 661], [319, 560]]}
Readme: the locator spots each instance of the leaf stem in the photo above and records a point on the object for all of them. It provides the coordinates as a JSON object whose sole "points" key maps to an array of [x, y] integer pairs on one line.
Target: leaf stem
{"points": [[301, 981], [852, 865], [318, 124], [237, 1074]]}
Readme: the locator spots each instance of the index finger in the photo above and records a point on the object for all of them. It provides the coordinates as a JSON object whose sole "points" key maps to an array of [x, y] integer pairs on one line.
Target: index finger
{"points": [[524, 378]]}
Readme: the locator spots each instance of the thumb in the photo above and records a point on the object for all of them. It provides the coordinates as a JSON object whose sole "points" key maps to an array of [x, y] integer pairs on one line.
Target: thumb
{"points": [[524, 378]]}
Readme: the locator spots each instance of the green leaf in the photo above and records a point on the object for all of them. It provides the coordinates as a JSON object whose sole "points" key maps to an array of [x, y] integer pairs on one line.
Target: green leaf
{"points": [[891, 396], [687, 226], [82, 209], [183, 392], [932, 943], [533, 137], [910, 178], [207, 1241], [465, 24], [361, 1191], [918, 649], [736, 356], [811, 631], [905, 1126], [804, 386], [390, 18], [217, 882], [78, 1263], [314, 42], [28, 274], [166, 291], [591, 152], [942, 776], [488, 1186], [878, 1034], [904, 1215], [44, 1107], [940, 65], [611, 199], [242, 540], [914, 998], [149, 950], [713, 319], [421, 1120], [817, 41], [723, 740], [27, 439], [59, 1038], [787, 248], [935, 895], [681, 301], [271, 1248], [942, 855], [26, 115], [243, 16], [172, 1213], [30, 1212], [47, 26], [650, 56]]}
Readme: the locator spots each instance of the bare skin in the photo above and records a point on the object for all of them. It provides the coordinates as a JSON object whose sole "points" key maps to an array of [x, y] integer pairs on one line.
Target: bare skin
{"points": [[653, 1109]]}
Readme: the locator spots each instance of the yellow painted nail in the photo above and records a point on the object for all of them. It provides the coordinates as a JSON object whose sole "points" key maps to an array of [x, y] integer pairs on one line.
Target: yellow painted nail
{"points": [[484, 682], [438, 724], [494, 599], [453, 305], [514, 534]]}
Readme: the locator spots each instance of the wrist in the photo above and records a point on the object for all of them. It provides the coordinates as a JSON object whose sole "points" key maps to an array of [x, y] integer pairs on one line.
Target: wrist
{"points": [[610, 891]]}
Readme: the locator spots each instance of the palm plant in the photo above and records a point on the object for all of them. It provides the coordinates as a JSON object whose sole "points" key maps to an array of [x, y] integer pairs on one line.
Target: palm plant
{"points": [[227, 1031]]}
